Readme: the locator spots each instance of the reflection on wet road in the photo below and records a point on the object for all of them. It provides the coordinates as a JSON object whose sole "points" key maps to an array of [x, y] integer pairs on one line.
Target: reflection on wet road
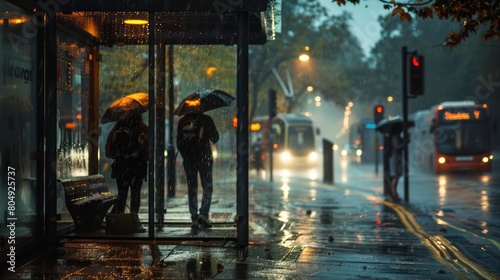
{"points": [[341, 229], [460, 214], [301, 228], [465, 207]]}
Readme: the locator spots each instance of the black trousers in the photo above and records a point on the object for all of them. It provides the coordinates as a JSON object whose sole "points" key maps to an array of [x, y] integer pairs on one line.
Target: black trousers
{"points": [[135, 185]]}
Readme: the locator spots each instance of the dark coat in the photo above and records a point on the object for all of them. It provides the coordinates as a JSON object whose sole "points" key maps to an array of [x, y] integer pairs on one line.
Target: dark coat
{"points": [[202, 150], [130, 167]]}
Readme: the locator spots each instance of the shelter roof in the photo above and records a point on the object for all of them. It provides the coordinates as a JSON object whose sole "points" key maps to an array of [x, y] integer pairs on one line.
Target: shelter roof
{"points": [[196, 22]]}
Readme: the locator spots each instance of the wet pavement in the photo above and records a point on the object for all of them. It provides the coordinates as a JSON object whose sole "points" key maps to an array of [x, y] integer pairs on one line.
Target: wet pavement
{"points": [[299, 229]]}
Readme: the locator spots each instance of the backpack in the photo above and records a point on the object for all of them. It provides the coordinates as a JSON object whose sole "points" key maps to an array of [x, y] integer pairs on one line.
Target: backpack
{"points": [[189, 135], [127, 142]]}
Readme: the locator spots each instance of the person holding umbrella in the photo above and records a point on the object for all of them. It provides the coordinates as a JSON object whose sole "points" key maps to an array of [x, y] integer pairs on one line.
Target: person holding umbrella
{"points": [[393, 151], [196, 132], [395, 161], [127, 144]]}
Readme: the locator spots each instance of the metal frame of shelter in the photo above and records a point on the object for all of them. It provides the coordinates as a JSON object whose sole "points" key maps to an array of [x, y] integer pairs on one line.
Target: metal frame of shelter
{"points": [[192, 22]]}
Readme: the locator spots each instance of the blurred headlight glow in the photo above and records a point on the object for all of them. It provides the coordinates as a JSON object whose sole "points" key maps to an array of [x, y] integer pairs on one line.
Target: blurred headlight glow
{"points": [[485, 159], [286, 156], [441, 160], [343, 153], [359, 152], [313, 156]]}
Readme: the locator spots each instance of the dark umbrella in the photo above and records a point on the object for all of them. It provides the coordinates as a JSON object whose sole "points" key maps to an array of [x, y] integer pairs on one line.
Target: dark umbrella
{"points": [[203, 102], [127, 106], [394, 125]]}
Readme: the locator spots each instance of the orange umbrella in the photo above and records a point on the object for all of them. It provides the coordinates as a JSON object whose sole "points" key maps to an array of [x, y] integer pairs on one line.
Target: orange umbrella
{"points": [[131, 105]]}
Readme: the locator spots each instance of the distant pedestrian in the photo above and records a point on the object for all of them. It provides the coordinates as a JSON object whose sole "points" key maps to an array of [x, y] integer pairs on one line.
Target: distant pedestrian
{"points": [[195, 133], [395, 162], [257, 154], [127, 144]]}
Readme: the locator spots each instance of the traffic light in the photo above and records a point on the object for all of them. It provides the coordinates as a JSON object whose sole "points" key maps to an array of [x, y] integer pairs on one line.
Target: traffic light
{"points": [[378, 113], [272, 104], [415, 75]]}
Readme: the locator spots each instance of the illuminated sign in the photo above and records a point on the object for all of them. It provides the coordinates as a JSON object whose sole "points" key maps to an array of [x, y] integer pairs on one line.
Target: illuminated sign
{"points": [[463, 115], [458, 116]]}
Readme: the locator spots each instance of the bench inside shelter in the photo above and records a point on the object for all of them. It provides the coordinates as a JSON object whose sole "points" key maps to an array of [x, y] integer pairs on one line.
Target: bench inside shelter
{"points": [[88, 200]]}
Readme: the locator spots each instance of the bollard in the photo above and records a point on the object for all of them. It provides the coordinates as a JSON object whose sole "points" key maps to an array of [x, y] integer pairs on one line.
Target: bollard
{"points": [[327, 162]]}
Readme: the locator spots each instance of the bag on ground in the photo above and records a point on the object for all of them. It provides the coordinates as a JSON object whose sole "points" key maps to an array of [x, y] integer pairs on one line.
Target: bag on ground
{"points": [[123, 223]]}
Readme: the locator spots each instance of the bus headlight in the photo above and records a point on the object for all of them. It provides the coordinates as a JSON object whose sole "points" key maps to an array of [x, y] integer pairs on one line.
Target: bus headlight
{"points": [[491, 156], [441, 160], [359, 152], [343, 153], [286, 156], [486, 159], [313, 156]]}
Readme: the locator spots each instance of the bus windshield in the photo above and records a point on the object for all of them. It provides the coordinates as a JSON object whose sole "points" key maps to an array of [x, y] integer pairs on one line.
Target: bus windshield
{"points": [[464, 138], [301, 139]]}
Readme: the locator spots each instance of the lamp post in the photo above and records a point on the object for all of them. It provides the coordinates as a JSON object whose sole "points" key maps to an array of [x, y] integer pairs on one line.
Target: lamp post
{"points": [[289, 91]]}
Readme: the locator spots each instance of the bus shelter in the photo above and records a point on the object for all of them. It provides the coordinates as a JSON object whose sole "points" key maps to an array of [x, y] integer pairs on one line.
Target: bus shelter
{"points": [[51, 54]]}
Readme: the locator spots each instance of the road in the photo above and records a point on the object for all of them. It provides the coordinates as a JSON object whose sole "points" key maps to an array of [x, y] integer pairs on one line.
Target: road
{"points": [[461, 208]]}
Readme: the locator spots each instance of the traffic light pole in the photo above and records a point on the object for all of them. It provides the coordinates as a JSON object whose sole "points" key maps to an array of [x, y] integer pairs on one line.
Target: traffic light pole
{"points": [[405, 122], [378, 115]]}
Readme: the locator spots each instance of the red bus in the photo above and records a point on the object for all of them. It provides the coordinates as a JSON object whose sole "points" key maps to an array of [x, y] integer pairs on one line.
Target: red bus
{"points": [[453, 136]]}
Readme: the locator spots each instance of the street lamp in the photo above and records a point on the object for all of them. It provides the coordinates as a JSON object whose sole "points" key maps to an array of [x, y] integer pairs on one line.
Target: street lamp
{"points": [[304, 57], [318, 101], [210, 71], [289, 91]]}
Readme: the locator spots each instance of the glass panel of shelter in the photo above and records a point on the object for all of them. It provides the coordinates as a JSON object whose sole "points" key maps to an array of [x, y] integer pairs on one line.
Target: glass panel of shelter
{"points": [[123, 70], [18, 146], [73, 74]]}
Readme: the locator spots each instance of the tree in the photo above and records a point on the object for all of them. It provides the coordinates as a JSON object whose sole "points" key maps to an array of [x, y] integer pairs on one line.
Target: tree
{"points": [[471, 16], [123, 70], [205, 67], [467, 72], [336, 58]]}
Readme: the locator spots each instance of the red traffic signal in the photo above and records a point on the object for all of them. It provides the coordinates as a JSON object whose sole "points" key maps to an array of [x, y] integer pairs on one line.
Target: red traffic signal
{"points": [[415, 75], [378, 113], [415, 62]]}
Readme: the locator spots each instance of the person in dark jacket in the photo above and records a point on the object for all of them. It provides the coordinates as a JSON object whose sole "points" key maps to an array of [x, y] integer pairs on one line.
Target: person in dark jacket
{"points": [[127, 144], [195, 133], [395, 162]]}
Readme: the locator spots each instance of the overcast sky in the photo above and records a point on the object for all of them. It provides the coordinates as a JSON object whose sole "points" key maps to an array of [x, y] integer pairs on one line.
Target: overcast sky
{"points": [[364, 25]]}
